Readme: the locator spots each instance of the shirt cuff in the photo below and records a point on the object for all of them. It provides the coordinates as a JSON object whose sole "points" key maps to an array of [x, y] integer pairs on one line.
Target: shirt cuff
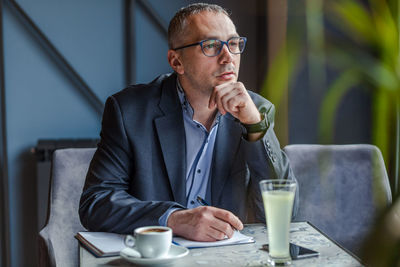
{"points": [[164, 218]]}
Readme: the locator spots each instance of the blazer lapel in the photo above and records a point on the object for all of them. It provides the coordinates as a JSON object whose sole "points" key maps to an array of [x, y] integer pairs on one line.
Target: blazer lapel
{"points": [[229, 132], [171, 134]]}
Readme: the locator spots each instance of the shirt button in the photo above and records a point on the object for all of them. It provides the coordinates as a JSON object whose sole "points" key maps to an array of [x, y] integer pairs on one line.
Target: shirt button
{"points": [[198, 126], [198, 171], [192, 202]]}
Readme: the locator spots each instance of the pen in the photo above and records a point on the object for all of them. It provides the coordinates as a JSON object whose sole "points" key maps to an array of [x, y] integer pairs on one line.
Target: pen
{"points": [[202, 201]]}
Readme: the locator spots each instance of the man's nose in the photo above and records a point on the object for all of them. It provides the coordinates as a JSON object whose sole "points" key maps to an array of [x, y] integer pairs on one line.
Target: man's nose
{"points": [[225, 56]]}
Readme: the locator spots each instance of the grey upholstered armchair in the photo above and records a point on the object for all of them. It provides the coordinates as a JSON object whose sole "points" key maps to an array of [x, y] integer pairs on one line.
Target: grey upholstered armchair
{"points": [[343, 188], [57, 246]]}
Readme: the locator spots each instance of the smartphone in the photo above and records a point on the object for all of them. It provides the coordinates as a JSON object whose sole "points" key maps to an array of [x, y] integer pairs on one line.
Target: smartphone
{"points": [[297, 252]]}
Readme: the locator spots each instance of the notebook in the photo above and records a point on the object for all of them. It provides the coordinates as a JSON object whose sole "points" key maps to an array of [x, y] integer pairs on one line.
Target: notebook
{"points": [[236, 239], [101, 244]]}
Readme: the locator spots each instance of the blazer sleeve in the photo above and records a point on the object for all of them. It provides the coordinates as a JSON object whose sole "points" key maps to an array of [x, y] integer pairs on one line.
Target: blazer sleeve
{"points": [[266, 160], [106, 204]]}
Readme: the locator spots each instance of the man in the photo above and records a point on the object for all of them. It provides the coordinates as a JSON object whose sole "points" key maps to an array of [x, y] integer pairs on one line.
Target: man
{"points": [[195, 134]]}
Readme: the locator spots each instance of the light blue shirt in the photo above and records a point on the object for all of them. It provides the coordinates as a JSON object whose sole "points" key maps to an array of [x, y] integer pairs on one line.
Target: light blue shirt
{"points": [[199, 152]]}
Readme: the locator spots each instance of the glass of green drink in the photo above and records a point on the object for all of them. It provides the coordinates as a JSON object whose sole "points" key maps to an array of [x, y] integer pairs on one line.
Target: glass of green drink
{"points": [[278, 196]]}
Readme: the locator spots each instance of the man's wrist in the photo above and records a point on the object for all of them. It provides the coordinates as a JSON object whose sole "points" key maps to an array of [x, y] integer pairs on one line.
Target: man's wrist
{"points": [[163, 220], [258, 127]]}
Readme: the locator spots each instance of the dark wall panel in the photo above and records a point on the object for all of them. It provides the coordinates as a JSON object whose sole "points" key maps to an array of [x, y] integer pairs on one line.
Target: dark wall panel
{"points": [[42, 102]]}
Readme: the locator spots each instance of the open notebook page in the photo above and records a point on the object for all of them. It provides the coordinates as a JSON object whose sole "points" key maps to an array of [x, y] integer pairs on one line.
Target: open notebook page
{"points": [[237, 238]]}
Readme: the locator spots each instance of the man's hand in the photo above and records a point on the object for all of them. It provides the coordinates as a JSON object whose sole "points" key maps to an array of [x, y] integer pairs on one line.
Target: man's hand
{"points": [[204, 223], [233, 98]]}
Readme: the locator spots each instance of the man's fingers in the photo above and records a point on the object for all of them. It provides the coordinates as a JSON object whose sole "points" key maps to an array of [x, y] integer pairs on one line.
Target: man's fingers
{"points": [[220, 105], [204, 223], [224, 229], [216, 234], [222, 94], [228, 97], [229, 218], [233, 100], [218, 90], [233, 105]]}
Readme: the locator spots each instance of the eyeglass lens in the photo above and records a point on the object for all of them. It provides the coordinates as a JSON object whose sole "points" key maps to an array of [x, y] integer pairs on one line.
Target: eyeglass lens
{"points": [[213, 47]]}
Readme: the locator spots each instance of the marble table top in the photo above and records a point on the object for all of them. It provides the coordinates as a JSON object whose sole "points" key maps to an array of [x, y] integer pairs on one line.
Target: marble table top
{"points": [[301, 233]]}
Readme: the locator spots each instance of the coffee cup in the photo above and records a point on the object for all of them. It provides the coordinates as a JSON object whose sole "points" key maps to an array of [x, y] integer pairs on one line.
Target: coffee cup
{"points": [[150, 241]]}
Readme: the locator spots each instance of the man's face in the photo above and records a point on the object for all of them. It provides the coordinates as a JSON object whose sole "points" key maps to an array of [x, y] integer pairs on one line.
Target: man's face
{"points": [[200, 72]]}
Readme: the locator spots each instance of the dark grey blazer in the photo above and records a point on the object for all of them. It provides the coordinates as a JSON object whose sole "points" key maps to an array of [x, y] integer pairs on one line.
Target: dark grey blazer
{"points": [[138, 170]]}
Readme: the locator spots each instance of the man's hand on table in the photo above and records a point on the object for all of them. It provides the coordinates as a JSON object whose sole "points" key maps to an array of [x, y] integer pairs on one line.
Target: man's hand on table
{"points": [[204, 223]]}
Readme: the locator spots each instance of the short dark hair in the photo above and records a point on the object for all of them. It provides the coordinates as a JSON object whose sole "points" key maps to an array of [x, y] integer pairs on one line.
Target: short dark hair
{"points": [[178, 22]]}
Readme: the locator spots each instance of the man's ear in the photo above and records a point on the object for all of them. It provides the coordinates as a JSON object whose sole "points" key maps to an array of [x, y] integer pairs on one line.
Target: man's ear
{"points": [[174, 60]]}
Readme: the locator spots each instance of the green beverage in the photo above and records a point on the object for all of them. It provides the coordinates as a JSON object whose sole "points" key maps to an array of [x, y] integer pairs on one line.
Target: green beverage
{"points": [[278, 197], [278, 211]]}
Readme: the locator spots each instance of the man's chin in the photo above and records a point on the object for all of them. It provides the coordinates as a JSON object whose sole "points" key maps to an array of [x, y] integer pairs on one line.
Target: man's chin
{"points": [[219, 82]]}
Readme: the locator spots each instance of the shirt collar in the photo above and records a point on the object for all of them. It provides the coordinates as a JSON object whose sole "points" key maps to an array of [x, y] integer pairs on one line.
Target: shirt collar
{"points": [[186, 107]]}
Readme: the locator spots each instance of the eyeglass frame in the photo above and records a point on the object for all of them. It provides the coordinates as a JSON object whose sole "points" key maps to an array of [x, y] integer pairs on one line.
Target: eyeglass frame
{"points": [[220, 49]]}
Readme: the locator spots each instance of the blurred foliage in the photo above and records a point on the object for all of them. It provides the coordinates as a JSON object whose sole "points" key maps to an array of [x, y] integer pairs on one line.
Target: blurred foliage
{"points": [[282, 68], [370, 58], [363, 49], [275, 85], [382, 245]]}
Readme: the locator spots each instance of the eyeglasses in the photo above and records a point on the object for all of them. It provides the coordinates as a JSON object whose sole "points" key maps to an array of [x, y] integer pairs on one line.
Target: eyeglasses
{"points": [[212, 47]]}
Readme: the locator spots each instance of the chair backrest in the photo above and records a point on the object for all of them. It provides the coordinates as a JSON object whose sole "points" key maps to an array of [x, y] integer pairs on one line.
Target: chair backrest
{"points": [[342, 189], [57, 245]]}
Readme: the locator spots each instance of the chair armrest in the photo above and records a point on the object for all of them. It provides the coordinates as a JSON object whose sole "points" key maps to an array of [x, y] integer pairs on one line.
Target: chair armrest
{"points": [[46, 252]]}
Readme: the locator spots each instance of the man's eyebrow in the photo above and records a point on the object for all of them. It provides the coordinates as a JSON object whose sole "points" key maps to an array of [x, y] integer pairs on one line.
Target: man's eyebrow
{"points": [[215, 37], [208, 37]]}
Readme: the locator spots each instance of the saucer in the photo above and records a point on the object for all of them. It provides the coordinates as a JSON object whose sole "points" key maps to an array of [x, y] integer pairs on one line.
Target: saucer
{"points": [[175, 252]]}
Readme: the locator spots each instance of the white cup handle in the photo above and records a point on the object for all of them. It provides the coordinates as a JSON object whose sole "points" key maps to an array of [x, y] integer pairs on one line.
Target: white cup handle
{"points": [[131, 251], [129, 241]]}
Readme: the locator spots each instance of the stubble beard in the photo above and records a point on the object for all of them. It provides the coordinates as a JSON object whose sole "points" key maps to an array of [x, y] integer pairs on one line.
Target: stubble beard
{"points": [[202, 88]]}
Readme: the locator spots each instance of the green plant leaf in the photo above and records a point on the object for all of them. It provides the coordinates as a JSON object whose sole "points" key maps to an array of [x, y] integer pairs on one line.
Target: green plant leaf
{"points": [[283, 67], [331, 102], [386, 32], [354, 19]]}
